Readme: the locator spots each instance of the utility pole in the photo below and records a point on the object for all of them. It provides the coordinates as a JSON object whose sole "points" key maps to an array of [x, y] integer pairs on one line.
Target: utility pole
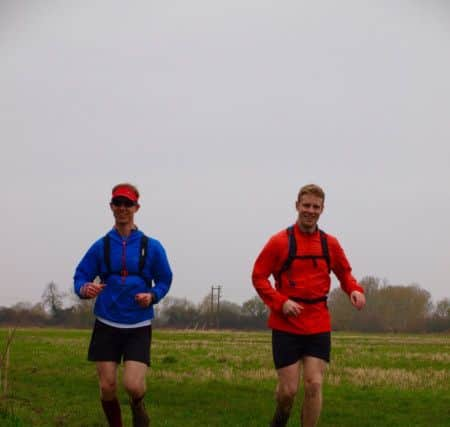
{"points": [[217, 290]]}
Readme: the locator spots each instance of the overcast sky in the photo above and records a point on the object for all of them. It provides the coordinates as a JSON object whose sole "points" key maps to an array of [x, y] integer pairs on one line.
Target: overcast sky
{"points": [[219, 111]]}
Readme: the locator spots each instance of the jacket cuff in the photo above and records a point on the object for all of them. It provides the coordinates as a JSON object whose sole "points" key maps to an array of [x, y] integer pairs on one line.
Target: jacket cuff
{"points": [[278, 305], [155, 299], [356, 288]]}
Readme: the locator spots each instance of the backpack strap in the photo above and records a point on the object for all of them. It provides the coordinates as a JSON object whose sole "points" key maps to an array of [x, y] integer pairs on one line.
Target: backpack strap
{"points": [[143, 252], [325, 251], [292, 250], [107, 253], [142, 258]]}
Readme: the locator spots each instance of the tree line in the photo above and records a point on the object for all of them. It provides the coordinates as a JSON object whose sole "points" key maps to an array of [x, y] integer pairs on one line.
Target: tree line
{"points": [[390, 308]]}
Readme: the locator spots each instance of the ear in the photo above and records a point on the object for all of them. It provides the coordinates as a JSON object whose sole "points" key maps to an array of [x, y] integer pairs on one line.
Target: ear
{"points": [[137, 207]]}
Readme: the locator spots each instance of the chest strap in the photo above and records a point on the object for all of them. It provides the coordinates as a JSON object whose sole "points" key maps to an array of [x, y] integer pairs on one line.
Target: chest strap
{"points": [[309, 300]]}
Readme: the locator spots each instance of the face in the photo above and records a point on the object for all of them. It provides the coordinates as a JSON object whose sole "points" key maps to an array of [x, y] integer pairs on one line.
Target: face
{"points": [[123, 210], [309, 209]]}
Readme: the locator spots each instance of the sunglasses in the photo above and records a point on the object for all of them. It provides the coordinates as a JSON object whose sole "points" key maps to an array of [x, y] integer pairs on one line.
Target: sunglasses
{"points": [[122, 201]]}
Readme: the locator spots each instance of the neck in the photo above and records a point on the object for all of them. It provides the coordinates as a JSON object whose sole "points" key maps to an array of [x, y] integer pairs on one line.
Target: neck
{"points": [[307, 230], [125, 229]]}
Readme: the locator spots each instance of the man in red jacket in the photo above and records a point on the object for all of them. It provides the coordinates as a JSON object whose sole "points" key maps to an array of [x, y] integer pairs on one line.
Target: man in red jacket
{"points": [[300, 259]]}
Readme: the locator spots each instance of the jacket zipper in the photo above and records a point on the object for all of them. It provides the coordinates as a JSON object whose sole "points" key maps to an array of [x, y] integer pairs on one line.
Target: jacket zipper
{"points": [[124, 272]]}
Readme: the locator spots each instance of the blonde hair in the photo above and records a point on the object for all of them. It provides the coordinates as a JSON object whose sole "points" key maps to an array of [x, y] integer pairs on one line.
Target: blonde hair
{"points": [[312, 189]]}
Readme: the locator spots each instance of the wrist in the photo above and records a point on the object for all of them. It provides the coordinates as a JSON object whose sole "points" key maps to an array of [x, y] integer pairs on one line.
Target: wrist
{"points": [[83, 290]]}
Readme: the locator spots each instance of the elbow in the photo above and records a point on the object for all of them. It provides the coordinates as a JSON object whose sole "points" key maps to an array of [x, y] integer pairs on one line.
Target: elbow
{"points": [[256, 277]]}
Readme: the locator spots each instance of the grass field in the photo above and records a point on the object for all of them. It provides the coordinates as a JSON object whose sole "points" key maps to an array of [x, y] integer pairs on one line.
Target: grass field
{"points": [[227, 379]]}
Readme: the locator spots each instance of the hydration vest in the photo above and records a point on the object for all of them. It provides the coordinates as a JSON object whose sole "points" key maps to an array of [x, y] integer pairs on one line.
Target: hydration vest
{"points": [[143, 249], [292, 255]]}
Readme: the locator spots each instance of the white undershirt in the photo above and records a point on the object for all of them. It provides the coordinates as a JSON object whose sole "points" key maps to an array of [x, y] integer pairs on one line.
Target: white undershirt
{"points": [[125, 325]]}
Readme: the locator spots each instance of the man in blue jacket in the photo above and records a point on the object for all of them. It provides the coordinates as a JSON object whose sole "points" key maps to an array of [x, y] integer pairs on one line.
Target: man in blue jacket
{"points": [[133, 274]]}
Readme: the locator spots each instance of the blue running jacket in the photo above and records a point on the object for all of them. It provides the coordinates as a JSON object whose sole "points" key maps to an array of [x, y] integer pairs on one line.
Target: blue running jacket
{"points": [[116, 302]]}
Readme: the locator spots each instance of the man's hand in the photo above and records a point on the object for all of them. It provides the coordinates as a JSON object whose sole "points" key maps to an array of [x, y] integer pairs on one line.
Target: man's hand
{"points": [[291, 308], [144, 299], [91, 290], [358, 299]]}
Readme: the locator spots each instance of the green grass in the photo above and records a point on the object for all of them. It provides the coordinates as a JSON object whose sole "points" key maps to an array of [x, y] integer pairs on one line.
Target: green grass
{"points": [[227, 379]]}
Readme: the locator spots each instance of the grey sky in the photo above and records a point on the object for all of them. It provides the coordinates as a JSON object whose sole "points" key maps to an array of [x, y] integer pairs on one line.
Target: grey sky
{"points": [[219, 111]]}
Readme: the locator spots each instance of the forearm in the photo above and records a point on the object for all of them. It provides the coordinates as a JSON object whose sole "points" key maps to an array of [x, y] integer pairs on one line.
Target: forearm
{"points": [[265, 265], [348, 283], [86, 271], [160, 290], [271, 297], [343, 271], [162, 275], [79, 282]]}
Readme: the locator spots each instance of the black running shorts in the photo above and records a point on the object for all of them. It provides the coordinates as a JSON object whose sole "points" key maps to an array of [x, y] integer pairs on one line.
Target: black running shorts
{"points": [[110, 344], [288, 348]]}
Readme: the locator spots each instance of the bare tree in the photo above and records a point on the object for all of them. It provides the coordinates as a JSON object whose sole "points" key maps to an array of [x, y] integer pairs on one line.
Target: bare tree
{"points": [[255, 307], [52, 299]]}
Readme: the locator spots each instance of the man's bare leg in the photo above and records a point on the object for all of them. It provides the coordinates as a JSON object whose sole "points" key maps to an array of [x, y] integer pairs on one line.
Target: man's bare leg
{"points": [[134, 382], [288, 379], [313, 372], [107, 379]]}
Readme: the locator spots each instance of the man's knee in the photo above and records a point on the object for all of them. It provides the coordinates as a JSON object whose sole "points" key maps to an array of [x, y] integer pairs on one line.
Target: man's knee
{"points": [[108, 387], [134, 387], [313, 389], [286, 393]]}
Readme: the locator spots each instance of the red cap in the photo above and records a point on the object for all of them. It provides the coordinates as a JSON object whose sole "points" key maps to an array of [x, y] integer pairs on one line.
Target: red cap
{"points": [[124, 191]]}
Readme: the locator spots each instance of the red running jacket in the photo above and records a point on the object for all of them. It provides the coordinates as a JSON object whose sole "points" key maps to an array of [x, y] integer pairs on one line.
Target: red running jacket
{"points": [[306, 278]]}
